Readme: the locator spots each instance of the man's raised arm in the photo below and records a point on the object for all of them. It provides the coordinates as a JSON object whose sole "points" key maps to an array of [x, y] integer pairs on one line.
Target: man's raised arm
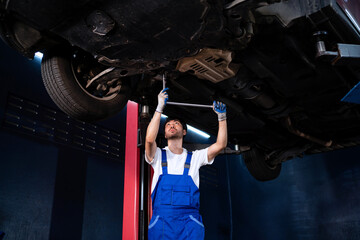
{"points": [[221, 141], [153, 128]]}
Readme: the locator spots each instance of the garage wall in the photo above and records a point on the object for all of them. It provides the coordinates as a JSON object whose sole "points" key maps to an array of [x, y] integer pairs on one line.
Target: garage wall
{"points": [[50, 192], [27, 181], [103, 209], [51, 189], [316, 197], [215, 206]]}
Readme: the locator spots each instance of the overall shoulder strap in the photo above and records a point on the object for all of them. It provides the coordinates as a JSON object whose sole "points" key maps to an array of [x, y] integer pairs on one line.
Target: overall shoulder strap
{"points": [[163, 161], [187, 163]]}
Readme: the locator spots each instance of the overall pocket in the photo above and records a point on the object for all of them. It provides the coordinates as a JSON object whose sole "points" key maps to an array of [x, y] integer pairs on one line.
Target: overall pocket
{"points": [[153, 222], [195, 227], [156, 228], [181, 196], [198, 221]]}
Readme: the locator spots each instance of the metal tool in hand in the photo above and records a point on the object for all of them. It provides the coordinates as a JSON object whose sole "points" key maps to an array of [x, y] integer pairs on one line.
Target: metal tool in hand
{"points": [[184, 104]]}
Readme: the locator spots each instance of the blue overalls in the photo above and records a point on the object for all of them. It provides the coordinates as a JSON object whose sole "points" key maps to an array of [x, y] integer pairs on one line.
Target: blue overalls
{"points": [[175, 203]]}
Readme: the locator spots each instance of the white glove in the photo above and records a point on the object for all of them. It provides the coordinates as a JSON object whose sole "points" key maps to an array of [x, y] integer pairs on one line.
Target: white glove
{"points": [[220, 109], [162, 99]]}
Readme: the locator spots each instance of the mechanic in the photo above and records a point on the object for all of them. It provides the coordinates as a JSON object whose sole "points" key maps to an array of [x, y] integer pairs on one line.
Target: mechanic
{"points": [[175, 186]]}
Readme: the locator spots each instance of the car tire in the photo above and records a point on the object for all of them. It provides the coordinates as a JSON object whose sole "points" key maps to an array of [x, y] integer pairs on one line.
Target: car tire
{"points": [[255, 162], [65, 90]]}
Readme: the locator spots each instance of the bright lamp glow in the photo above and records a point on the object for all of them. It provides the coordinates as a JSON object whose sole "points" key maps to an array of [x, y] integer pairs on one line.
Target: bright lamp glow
{"points": [[39, 55], [352, 19], [191, 128], [195, 130]]}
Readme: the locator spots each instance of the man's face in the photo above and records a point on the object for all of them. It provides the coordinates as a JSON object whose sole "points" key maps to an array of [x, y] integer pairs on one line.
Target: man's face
{"points": [[174, 129]]}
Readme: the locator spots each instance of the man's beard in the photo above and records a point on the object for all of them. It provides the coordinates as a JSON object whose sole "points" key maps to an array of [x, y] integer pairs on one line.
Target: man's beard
{"points": [[178, 135], [174, 137]]}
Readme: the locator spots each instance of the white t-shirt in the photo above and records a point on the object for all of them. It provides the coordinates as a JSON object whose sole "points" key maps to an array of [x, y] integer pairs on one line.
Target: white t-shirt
{"points": [[176, 162]]}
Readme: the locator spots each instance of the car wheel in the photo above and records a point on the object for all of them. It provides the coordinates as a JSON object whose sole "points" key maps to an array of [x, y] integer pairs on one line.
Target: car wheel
{"points": [[258, 167], [66, 74]]}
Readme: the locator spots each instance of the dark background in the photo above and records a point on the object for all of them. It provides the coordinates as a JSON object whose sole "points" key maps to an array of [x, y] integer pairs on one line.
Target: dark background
{"points": [[52, 187]]}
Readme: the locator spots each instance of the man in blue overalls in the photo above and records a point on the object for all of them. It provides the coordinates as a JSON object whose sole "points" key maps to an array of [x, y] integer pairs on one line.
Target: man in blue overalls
{"points": [[175, 186]]}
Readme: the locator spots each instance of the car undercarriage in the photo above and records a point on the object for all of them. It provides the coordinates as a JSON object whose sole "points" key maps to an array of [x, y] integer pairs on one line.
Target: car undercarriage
{"points": [[281, 67]]}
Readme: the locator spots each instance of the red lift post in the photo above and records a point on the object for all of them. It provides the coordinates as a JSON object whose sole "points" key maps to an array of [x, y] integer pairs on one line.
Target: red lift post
{"points": [[131, 175], [137, 202]]}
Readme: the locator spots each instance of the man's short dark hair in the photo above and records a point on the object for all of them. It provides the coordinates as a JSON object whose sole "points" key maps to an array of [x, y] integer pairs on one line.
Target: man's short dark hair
{"points": [[182, 121]]}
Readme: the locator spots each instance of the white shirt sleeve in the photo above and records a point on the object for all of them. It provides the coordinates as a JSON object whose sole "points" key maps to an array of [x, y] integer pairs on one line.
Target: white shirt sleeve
{"points": [[201, 157], [157, 157], [198, 160]]}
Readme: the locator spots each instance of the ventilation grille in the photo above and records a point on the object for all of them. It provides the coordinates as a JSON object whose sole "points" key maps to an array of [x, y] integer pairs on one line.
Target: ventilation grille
{"points": [[198, 68], [31, 118]]}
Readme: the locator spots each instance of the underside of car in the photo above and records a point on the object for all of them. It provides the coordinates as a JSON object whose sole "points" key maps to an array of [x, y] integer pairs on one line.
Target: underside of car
{"points": [[281, 67]]}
